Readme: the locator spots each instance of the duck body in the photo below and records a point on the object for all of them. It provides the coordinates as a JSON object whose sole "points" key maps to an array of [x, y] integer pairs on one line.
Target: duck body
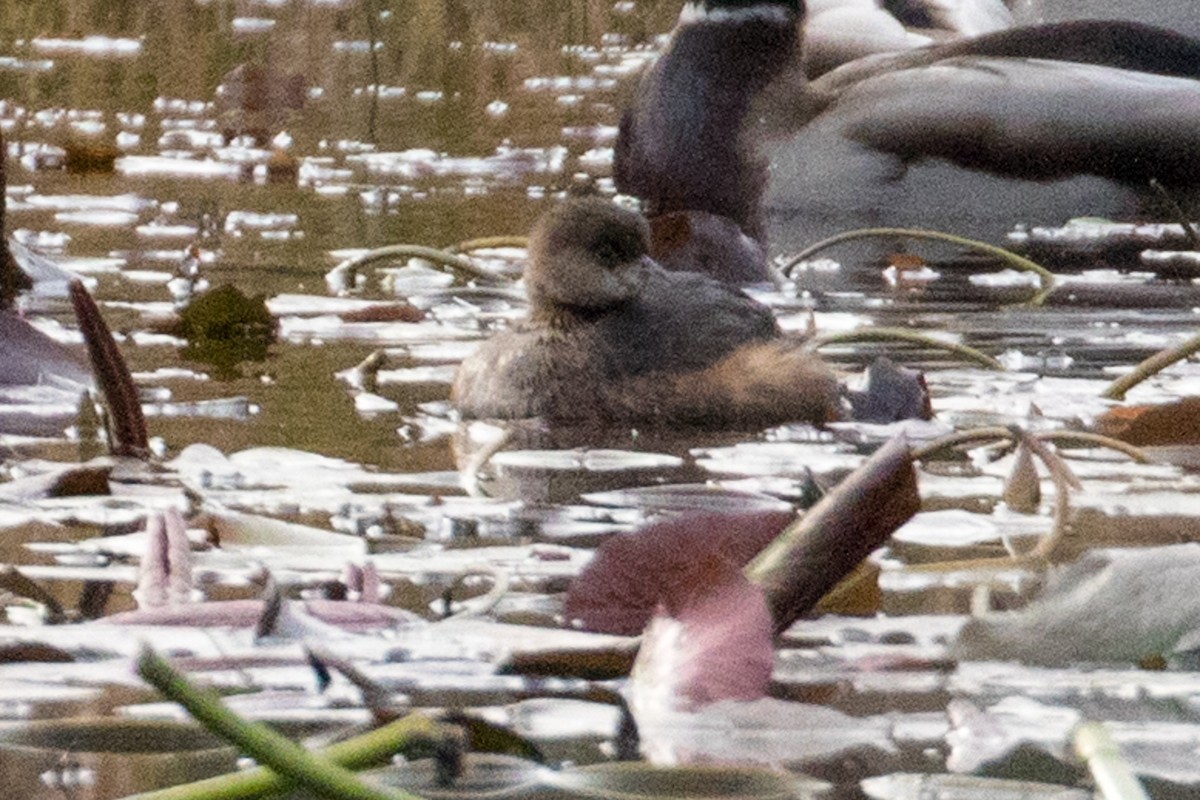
{"points": [[837, 32], [1033, 124], [31, 358], [696, 241], [1178, 15], [41, 379], [899, 150], [28, 357], [613, 337]]}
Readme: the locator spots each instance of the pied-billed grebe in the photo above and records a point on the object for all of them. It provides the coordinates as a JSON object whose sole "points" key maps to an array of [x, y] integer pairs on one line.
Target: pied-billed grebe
{"points": [[613, 337], [1030, 124]]}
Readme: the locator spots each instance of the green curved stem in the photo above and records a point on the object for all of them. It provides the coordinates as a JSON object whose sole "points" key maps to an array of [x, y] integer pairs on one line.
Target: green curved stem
{"points": [[343, 274], [488, 242], [293, 763], [902, 335], [1109, 770], [1088, 439], [1150, 367], [993, 433], [372, 749], [1007, 256], [1064, 482]]}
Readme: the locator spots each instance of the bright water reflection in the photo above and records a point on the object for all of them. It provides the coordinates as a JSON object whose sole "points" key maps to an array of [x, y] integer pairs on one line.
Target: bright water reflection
{"points": [[275, 134], [464, 119]]}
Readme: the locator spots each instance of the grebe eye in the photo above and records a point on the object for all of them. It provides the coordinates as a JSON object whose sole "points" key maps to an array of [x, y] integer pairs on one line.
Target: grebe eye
{"points": [[613, 250], [608, 252]]}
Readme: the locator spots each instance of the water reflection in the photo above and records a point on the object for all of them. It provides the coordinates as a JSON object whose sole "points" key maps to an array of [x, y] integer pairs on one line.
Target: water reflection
{"points": [[464, 119], [460, 120], [100, 757], [423, 121]]}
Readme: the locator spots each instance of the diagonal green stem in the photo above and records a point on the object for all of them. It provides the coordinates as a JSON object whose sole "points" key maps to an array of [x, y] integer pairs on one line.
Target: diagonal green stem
{"points": [[1150, 367], [1111, 772], [293, 764]]}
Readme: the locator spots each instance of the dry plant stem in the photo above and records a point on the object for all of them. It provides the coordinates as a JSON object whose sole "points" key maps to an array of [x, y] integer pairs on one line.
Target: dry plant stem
{"points": [[1061, 438], [901, 335], [1053, 462], [480, 459], [1008, 257], [293, 764], [1149, 368], [478, 606], [597, 665], [344, 272], [370, 13], [14, 581], [488, 242], [1089, 439], [1025, 561], [1189, 230], [815, 552], [128, 424], [367, 371], [1022, 488], [1113, 777], [376, 698], [1064, 482], [777, 278]]}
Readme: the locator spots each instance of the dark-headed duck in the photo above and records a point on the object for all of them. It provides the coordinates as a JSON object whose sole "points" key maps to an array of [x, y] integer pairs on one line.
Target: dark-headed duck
{"points": [[1036, 123], [612, 337]]}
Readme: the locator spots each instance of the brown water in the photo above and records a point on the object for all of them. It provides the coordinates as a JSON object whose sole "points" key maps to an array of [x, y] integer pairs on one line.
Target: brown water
{"points": [[558, 68], [516, 103]]}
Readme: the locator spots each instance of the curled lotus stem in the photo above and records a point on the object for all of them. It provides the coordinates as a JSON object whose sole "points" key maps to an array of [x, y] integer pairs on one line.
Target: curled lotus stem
{"points": [[901, 335], [1150, 367], [487, 243], [342, 277], [1060, 438], [1064, 482], [478, 606], [1008, 257]]}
